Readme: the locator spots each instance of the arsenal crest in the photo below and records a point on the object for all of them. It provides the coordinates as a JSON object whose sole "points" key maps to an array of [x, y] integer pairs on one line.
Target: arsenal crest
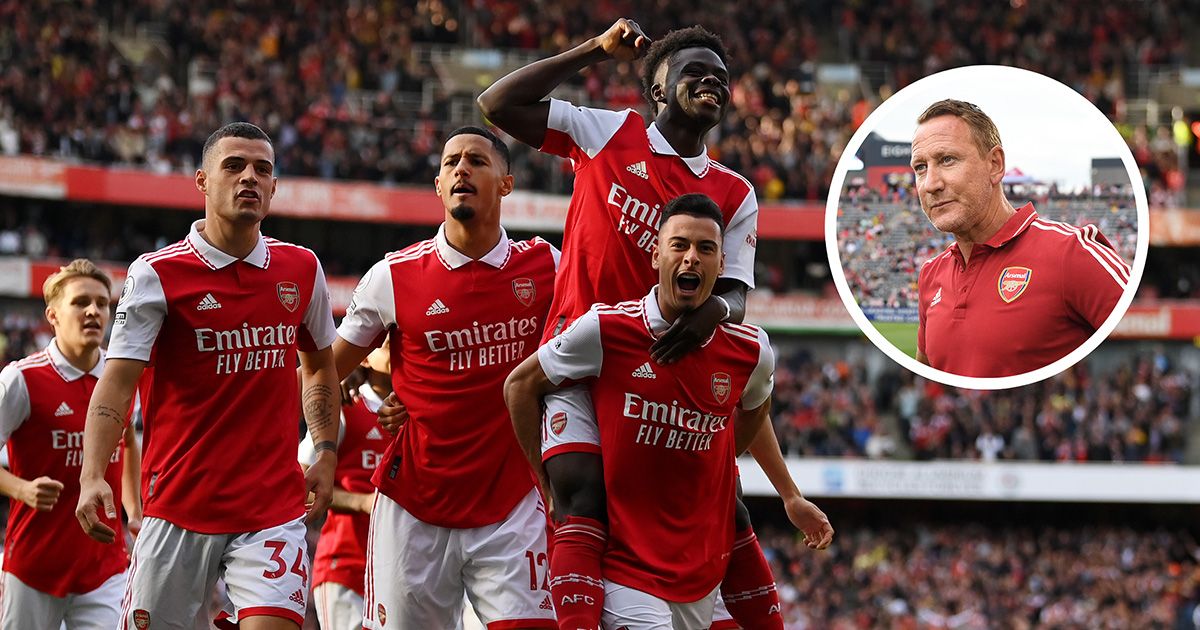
{"points": [[1013, 282], [558, 422], [289, 295], [525, 291], [141, 619], [721, 384], [381, 613]]}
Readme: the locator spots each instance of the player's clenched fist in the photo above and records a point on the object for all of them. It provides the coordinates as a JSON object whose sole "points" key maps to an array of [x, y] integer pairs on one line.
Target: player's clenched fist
{"points": [[92, 496], [624, 40], [41, 494]]}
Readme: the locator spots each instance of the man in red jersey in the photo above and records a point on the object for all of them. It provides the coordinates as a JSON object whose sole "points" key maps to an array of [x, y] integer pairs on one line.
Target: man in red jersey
{"points": [[625, 173], [457, 510], [221, 316], [1014, 292], [54, 573], [669, 540], [340, 561]]}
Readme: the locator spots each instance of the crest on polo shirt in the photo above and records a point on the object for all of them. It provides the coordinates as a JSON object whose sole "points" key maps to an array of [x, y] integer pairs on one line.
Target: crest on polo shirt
{"points": [[141, 619], [525, 290], [1013, 282], [289, 295], [721, 384]]}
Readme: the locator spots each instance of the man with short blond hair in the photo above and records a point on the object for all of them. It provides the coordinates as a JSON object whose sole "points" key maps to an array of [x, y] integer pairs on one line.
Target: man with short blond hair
{"points": [[54, 573]]}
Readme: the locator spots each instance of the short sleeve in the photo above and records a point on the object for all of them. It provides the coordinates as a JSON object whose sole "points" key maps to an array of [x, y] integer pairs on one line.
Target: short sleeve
{"points": [[576, 353], [318, 319], [580, 133], [372, 308], [14, 401], [741, 241], [762, 379], [140, 313], [1098, 276]]}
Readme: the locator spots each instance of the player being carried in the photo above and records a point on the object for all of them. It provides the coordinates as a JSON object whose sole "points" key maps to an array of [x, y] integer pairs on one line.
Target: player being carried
{"points": [[625, 173], [220, 316], [680, 425], [457, 509], [54, 573]]}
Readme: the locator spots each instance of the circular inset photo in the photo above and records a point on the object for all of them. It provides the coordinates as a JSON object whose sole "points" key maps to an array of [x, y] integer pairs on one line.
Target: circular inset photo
{"points": [[987, 227]]}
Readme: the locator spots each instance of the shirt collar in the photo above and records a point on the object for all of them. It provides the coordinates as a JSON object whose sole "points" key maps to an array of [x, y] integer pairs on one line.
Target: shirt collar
{"points": [[70, 372], [259, 257], [1016, 224], [653, 317], [658, 144], [370, 398], [455, 259]]}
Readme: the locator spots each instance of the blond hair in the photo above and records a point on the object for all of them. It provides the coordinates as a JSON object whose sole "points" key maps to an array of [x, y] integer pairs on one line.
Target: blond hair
{"points": [[983, 131], [53, 288]]}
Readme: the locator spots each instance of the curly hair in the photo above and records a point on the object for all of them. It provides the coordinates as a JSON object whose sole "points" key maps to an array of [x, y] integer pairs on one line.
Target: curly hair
{"points": [[663, 49]]}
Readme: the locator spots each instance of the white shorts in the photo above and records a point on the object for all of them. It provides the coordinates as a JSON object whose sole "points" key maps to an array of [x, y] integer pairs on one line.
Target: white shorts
{"points": [[338, 606], [417, 572], [631, 609], [174, 570], [569, 423], [25, 607]]}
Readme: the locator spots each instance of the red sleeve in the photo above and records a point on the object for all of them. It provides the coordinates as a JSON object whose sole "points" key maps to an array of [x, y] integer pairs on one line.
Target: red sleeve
{"points": [[1096, 276]]}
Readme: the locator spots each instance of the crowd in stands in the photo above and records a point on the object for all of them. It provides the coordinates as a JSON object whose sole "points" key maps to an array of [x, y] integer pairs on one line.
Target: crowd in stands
{"points": [[1134, 411], [346, 93], [968, 577]]}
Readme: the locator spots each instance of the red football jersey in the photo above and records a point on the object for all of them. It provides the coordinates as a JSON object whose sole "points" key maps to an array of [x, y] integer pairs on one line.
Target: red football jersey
{"points": [[624, 174], [1027, 297], [667, 440], [221, 415], [43, 405], [342, 550], [461, 326]]}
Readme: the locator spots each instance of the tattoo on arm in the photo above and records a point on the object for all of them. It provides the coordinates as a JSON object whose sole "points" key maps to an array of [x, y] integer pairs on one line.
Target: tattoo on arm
{"points": [[105, 411], [318, 407]]}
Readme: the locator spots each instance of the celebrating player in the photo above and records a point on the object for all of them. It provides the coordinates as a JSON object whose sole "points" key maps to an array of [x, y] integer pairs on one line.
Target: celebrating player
{"points": [[457, 509], [667, 432], [54, 573], [220, 316], [625, 173], [1006, 265]]}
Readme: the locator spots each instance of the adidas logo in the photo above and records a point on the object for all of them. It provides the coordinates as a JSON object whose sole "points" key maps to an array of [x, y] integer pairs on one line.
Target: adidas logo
{"points": [[638, 169], [546, 604], [63, 410], [208, 303], [437, 308], [374, 434], [298, 597], [937, 297], [644, 371]]}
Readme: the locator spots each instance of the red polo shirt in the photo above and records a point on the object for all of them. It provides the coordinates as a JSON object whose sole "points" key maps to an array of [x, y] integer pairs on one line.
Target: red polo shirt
{"points": [[1027, 297]]}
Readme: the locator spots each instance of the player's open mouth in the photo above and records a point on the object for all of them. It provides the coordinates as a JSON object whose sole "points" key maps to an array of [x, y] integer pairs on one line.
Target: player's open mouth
{"points": [[711, 98], [91, 325], [462, 189], [688, 282], [249, 194]]}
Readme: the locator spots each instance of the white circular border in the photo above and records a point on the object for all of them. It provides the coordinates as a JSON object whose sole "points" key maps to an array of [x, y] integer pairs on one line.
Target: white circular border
{"points": [[974, 382]]}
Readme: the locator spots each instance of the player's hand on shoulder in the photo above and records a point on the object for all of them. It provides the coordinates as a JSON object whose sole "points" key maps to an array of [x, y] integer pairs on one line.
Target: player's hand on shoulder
{"points": [[94, 495], [392, 414], [41, 494], [624, 40], [688, 333], [351, 383], [811, 521]]}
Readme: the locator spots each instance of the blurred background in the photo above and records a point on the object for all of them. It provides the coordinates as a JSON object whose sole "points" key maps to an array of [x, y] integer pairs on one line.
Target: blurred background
{"points": [[1071, 503]]}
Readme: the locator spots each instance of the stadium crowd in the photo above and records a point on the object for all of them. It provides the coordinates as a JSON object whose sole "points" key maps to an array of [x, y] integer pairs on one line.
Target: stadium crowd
{"points": [[346, 92], [966, 577]]}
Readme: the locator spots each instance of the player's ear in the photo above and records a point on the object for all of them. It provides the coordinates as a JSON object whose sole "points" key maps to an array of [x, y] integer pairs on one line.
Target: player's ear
{"points": [[274, 185], [437, 184], [721, 267], [506, 185], [657, 93], [654, 257], [996, 165], [51, 315], [202, 181]]}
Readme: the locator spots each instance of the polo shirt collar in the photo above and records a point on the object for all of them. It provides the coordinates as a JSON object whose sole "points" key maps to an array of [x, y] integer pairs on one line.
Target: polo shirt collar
{"points": [[259, 257], [454, 259], [65, 369], [652, 316], [372, 400], [658, 144], [1016, 224]]}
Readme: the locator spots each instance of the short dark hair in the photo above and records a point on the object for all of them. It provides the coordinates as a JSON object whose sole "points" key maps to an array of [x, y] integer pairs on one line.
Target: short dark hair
{"points": [[695, 205], [983, 130], [234, 130], [663, 49], [497, 143]]}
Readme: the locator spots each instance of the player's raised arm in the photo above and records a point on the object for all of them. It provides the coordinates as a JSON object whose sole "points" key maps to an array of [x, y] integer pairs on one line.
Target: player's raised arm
{"points": [[516, 104], [103, 429], [523, 391]]}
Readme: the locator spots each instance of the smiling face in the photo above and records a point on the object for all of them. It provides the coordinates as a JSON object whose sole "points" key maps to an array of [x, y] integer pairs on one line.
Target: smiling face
{"points": [[80, 314], [689, 260], [238, 181], [955, 181], [694, 82], [473, 178]]}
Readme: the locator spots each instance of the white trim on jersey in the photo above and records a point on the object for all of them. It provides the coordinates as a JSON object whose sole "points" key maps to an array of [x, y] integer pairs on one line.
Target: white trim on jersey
{"points": [[453, 259], [762, 379], [576, 353], [1108, 260], [141, 311], [589, 128], [372, 308], [318, 318], [741, 239]]}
